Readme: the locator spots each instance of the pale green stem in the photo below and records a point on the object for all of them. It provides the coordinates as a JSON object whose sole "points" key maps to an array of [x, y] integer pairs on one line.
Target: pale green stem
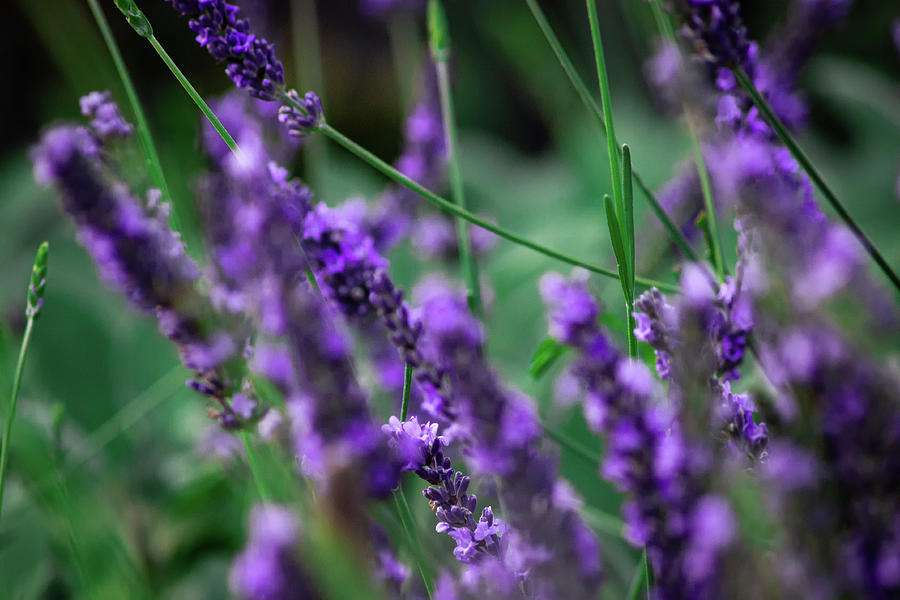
{"points": [[140, 120], [13, 401], [466, 257], [715, 239], [591, 104], [195, 96], [612, 145]]}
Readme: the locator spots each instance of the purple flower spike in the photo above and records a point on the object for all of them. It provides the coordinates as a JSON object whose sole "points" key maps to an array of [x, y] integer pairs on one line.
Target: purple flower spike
{"points": [[250, 60]]}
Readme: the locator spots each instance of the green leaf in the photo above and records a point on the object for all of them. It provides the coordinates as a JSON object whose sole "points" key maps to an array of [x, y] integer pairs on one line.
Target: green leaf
{"points": [[438, 31], [618, 247], [547, 353]]}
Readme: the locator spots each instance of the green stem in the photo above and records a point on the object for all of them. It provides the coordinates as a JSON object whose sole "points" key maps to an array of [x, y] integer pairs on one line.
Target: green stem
{"points": [[254, 468], [813, 173], [406, 519], [398, 177], [612, 145], [715, 240], [588, 100], [466, 258], [641, 576], [407, 385], [142, 128], [195, 96], [14, 398]]}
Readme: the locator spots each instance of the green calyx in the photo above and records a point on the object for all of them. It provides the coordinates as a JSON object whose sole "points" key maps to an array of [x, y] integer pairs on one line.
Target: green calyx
{"points": [[135, 17]]}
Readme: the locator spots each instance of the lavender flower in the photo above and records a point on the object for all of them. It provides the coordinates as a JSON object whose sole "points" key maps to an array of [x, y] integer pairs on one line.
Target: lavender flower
{"points": [[137, 253], [453, 506], [250, 60], [549, 545], [300, 123], [671, 508], [300, 348], [106, 120], [267, 568]]}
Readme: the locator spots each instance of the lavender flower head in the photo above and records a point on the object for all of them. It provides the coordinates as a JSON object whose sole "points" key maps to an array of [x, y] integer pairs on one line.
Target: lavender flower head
{"points": [[137, 253], [250, 60], [106, 120]]}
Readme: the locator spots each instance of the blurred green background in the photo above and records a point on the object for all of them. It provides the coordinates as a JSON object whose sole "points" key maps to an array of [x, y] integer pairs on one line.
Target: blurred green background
{"points": [[108, 496]]}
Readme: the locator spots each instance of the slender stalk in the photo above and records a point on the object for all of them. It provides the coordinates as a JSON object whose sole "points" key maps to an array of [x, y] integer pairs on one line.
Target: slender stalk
{"points": [[398, 177], [588, 100], [801, 157], [714, 239], [17, 380], [35, 300], [253, 461], [612, 145], [140, 120], [407, 385], [406, 519], [195, 96], [641, 576], [627, 176], [440, 51]]}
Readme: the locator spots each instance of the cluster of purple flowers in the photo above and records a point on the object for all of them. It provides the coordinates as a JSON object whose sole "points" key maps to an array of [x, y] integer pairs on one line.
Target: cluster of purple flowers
{"points": [[137, 253], [250, 60], [453, 506], [673, 508]]}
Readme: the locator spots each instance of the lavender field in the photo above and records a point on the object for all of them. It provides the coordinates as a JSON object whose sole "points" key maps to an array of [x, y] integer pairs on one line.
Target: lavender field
{"points": [[450, 299]]}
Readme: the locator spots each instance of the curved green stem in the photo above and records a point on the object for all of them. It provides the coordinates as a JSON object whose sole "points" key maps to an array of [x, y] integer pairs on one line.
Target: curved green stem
{"points": [[140, 120], [801, 157], [591, 104], [450, 207]]}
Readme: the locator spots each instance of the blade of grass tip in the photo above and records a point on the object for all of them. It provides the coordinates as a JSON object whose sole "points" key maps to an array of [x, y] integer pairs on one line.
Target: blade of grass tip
{"points": [[142, 128], [587, 99], [800, 156], [628, 192], [630, 250], [398, 177], [142, 27], [34, 302], [256, 473], [439, 40], [406, 519], [407, 385], [640, 579]]}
